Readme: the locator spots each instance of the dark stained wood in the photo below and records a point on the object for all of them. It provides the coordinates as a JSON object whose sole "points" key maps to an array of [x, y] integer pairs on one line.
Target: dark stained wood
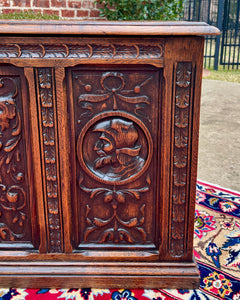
{"points": [[106, 28], [98, 148]]}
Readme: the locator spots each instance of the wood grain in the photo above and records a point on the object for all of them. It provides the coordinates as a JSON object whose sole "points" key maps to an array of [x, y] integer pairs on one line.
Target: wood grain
{"points": [[99, 134]]}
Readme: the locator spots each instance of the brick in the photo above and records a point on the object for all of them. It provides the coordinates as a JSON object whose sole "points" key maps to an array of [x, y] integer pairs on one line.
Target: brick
{"points": [[10, 11], [98, 5], [36, 11], [51, 12], [4, 3], [58, 3], [75, 4], [41, 3], [68, 13], [94, 13], [21, 3], [82, 13], [87, 4]]}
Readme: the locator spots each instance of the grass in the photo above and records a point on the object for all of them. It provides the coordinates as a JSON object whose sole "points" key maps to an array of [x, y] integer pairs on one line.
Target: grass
{"points": [[28, 15], [224, 75]]}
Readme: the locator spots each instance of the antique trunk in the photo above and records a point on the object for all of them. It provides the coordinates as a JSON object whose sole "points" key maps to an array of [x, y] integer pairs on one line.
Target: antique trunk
{"points": [[98, 153]]}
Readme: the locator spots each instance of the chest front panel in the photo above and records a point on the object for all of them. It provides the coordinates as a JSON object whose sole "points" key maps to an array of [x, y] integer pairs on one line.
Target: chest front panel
{"points": [[98, 143]]}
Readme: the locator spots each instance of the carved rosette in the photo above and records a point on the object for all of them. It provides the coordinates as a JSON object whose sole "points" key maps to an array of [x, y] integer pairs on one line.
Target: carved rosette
{"points": [[50, 156], [182, 119], [13, 185]]}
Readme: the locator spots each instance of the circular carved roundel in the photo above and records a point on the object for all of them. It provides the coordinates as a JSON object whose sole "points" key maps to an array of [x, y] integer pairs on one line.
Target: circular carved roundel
{"points": [[114, 148]]}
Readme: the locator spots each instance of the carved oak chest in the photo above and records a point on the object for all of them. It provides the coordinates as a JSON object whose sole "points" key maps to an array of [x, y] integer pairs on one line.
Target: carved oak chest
{"points": [[98, 153]]}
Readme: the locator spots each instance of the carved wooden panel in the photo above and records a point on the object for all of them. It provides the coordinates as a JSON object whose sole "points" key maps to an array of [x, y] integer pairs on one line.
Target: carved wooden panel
{"points": [[98, 152], [115, 125], [15, 190], [183, 74]]}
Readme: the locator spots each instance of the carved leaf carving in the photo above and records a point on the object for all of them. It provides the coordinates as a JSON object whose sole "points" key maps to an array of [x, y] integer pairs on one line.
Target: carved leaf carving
{"points": [[180, 155], [179, 195], [182, 98], [181, 137], [180, 158], [181, 118], [47, 117], [183, 75], [46, 97], [47, 122]]}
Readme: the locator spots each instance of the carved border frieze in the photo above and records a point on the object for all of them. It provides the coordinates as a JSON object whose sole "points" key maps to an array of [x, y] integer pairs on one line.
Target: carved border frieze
{"points": [[182, 120], [48, 125], [82, 51]]}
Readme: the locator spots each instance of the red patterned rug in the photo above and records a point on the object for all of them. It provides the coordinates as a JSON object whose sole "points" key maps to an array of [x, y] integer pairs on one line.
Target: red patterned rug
{"points": [[216, 249]]}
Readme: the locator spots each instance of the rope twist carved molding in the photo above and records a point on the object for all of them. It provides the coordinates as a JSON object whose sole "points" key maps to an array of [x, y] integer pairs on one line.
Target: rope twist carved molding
{"points": [[81, 51], [183, 74]]}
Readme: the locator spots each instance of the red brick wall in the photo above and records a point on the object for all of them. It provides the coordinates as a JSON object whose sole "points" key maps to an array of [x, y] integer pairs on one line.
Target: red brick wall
{"points": [[67, 9]]}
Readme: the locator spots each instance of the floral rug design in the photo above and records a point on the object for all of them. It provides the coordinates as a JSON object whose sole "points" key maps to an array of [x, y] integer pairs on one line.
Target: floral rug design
{"points": [[216, 249]]}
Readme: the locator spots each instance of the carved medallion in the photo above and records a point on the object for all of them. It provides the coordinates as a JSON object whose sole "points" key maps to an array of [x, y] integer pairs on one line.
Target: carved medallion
{"points": [[115, 148]]}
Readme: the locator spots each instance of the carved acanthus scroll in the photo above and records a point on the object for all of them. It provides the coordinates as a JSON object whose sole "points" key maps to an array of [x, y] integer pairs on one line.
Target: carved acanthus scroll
{"points": [[115, 229], [13, 190]]}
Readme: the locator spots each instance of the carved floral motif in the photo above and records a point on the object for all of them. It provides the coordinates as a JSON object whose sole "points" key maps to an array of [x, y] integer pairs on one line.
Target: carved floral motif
{"points": [[12, 179], [182, 117]]}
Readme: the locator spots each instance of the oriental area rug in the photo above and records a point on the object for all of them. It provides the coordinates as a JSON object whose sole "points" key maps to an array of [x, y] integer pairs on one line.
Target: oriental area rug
{"points": [[216, 249]]}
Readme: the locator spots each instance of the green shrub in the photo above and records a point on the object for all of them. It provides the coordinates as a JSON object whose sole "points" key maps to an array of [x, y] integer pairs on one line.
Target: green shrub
{"points": [[28, 14], [141, 9]]}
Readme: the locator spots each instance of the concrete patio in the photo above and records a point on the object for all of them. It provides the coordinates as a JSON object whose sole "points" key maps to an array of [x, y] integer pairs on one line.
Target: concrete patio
{"points": [[219, 143]]}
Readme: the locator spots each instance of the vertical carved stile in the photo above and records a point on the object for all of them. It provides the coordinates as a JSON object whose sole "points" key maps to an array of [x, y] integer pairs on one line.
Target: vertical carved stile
{"points": [[50, 162], [181, 136]]}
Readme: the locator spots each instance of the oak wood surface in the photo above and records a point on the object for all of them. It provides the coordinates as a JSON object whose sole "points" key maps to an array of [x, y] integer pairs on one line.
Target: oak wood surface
{"points": [[148, 28], [99, 141]]}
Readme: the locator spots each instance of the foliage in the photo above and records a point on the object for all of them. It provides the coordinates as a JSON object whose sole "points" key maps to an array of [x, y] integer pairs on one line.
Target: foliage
{"points": [[141, 9], [28, 14], [224, 75]]}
